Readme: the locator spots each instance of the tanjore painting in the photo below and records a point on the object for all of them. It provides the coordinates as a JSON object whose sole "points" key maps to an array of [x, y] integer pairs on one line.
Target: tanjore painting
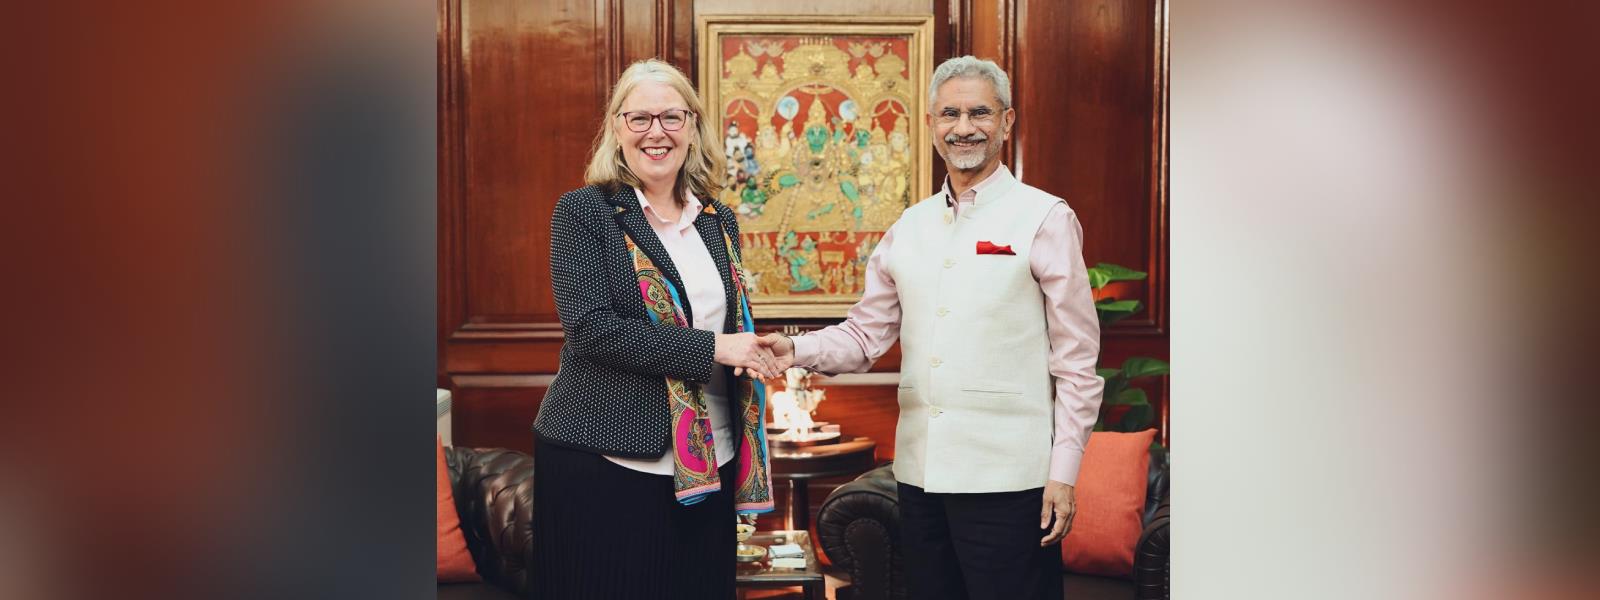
{"points": [[825, 144]]}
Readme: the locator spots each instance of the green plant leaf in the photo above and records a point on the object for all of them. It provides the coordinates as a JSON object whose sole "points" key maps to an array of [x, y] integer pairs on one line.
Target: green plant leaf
{"points": [[1130, 397], [1119, 272], [1137, 418], [1114, 387], [1098, 279], [1107, 374], [1104, 273], [1114, 384], [1140, 366], [1111, 311], [1121, 306]]}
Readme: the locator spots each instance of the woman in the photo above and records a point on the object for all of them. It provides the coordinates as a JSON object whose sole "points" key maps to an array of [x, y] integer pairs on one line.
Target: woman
{"points": [[649, 440]]}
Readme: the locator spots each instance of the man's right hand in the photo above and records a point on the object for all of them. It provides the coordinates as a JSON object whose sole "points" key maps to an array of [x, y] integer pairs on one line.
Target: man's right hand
{"points": [[747, 353], [782, 349]]}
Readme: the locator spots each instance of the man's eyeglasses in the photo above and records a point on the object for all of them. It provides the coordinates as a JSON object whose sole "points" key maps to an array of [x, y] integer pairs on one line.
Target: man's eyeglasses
{"points": [[981, 116], [671, 119]]}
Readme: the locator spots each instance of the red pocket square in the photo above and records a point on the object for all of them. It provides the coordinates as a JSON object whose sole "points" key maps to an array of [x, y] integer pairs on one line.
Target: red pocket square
{"points": [[990, 248]]}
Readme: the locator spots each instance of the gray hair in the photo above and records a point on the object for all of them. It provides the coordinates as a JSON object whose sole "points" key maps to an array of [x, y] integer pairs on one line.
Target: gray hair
{"points": [[971, 66]]}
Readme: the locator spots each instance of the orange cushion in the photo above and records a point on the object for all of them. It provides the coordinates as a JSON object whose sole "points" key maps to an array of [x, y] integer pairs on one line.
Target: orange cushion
{"points": [[1110, 496], [455, 561]]}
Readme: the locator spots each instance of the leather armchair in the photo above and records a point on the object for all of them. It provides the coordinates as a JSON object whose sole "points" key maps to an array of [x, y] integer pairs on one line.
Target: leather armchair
{"points": [[493, 490], [859, 528]]}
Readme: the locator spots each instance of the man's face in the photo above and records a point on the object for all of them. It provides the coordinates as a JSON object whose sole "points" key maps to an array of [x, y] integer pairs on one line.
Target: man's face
{"points": [[969, 126]]}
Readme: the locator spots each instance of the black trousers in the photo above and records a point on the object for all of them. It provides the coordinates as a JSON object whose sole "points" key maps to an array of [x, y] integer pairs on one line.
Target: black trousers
{"points": [[605, 532], [977, 546]]}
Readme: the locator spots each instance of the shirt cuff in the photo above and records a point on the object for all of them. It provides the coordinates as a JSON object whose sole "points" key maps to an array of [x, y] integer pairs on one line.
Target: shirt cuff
{"points": [[1064, 464], [805, 351]]}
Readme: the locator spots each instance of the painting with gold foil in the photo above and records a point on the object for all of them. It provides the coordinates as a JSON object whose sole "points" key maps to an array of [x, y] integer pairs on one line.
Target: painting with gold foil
{"points": [[825, 144]]}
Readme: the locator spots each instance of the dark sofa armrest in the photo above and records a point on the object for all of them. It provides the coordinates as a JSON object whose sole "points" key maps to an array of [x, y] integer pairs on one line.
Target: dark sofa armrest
{"points": [[493, 490], [1152, 558], [858, 527]]}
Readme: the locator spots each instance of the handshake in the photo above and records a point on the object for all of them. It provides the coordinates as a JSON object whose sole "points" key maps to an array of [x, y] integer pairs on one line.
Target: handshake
{"points": [[766, 356]]}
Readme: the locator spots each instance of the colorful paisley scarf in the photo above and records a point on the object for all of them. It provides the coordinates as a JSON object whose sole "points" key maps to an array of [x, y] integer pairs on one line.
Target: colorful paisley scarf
{"points": [[693, 450]]}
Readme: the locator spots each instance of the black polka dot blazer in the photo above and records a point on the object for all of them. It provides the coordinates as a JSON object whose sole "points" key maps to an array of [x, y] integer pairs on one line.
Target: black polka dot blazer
{"points": [[610, 395]]}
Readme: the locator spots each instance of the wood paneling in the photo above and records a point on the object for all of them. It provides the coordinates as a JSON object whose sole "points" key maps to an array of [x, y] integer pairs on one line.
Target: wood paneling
{"points": [[494, 416], [451, 182], [814, 7], [526, 143], [1087, 98], [682, 53], [510, 356], [636, 15], [522, 85], [863, 410]]}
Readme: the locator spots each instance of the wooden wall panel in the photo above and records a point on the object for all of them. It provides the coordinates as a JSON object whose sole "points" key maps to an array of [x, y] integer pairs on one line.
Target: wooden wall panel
{"points": [[1087, 95], [494, 416], [522, 86], [814, 7], [504, 356], [863, 411], [682, 50], [636, 16], [531, 101]]}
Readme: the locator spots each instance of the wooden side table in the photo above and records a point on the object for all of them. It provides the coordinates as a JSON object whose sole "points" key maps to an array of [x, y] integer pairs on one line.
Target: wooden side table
{"points": [[763, 575], [800, 465]]}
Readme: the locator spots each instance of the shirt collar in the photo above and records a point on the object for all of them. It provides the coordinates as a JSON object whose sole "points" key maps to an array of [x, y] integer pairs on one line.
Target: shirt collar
{"points": [[990, 188], [691, 209]]}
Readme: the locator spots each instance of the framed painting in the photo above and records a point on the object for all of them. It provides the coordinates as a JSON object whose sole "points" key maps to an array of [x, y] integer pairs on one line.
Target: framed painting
{"points": [[825, 144]]}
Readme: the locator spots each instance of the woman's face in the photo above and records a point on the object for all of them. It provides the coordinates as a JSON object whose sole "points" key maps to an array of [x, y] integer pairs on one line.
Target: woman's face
{"points": [[655, 155]]}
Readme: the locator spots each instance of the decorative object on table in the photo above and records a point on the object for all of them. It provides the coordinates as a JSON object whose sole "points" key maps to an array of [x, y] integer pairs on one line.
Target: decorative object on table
{"points": [[795, 562], [792, 407], [824, 144], [747, 552], [1119, 392], [788, 551]]}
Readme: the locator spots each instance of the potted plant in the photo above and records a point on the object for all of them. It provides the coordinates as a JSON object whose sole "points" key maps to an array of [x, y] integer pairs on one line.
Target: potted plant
{"points": [[1119, 391]]}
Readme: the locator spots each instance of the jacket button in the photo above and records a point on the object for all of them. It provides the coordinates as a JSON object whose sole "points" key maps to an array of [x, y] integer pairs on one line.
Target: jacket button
{"points": [[937, 411], [943, 311], [949, 262], [936, 362]]}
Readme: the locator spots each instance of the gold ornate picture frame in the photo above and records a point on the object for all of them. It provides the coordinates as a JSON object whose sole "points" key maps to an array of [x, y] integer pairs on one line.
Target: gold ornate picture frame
{"points": [[825, 144]]}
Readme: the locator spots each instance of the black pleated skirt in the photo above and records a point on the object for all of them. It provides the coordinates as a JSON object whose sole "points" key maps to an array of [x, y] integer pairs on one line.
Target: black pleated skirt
{"points": [[605, 532]]}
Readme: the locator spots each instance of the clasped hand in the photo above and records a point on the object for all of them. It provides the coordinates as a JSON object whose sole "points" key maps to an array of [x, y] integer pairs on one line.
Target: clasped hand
{"points": [[765, 356]]}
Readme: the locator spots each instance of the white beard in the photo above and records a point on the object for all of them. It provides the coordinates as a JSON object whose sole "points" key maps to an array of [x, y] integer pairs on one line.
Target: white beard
{"points": [[972, 160], [967, 161]]}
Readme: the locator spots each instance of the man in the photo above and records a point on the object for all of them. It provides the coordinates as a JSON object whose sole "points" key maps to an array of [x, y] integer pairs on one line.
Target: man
{"points": [[985, 285]]}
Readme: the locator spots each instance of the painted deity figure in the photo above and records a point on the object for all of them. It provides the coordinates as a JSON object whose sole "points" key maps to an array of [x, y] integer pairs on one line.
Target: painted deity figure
{"points": [[827, 186], [803, 267], [733, 149]]}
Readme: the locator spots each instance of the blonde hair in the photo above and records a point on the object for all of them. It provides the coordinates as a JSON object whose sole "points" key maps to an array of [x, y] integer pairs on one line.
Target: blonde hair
{"points": [[699, 173]]}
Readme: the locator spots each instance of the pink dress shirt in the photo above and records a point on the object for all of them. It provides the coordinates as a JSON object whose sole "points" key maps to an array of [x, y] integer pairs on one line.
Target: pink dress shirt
{"points": [[1056, 260], [703, 285]]}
